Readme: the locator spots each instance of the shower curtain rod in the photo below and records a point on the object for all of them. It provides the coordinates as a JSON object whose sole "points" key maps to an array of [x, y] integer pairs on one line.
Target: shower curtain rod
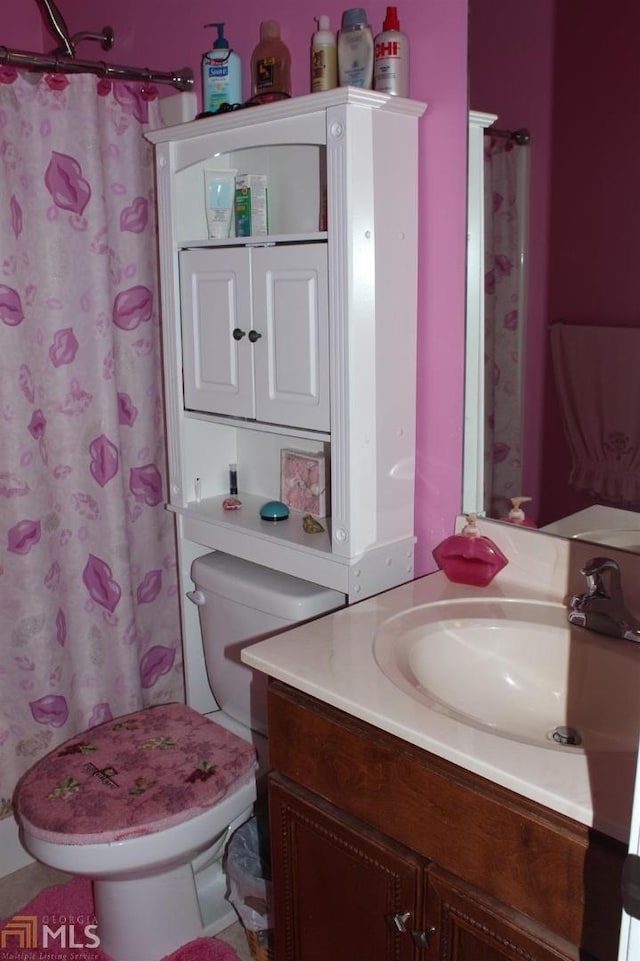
{"points": [[522, 136], [180, 79]]}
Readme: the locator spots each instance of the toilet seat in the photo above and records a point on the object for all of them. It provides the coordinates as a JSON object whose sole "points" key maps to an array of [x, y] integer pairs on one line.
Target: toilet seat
{"points": [[134, 775]]}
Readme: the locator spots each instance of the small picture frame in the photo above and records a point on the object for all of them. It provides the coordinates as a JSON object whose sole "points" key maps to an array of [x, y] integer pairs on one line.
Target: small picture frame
{"points": [[303, 484]]}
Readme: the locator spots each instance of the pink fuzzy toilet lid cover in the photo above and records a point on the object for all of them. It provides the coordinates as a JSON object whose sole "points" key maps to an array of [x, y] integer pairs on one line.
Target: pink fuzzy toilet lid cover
{"points": [[133, 775]]}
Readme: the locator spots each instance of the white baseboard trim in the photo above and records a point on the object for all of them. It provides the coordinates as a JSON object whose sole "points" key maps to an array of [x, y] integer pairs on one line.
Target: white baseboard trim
{"points": [[13, 855]]}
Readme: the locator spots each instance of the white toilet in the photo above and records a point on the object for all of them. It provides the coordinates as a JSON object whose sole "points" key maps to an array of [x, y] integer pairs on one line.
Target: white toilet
{"points": [[145, 804]]}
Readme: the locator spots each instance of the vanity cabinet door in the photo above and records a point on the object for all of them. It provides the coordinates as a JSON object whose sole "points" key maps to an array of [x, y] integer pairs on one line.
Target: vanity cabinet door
{"points": [[341, 892], [468, 925]]}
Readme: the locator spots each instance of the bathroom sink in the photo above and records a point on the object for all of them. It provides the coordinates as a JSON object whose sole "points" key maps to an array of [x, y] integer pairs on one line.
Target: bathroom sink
{"points": [[517, 669]]}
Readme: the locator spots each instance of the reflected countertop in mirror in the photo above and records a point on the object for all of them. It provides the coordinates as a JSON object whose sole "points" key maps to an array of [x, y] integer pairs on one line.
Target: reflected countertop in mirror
{"points": [[608, 526]]}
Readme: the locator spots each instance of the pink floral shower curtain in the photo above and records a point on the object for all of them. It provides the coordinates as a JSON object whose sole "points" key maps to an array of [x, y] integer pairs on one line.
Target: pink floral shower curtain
{"points": [[506, 194], [89, 623]]}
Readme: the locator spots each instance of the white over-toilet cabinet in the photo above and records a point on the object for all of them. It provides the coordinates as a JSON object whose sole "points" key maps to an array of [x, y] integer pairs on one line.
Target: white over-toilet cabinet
{"points": [[304, 339]]}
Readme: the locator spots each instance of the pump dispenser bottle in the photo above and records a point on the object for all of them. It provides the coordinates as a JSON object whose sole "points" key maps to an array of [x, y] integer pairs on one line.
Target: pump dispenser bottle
{"points": [[270, 65], [324, 60], [516, 515], [391, 58], [470, 557], [355, 50], [221, 74]]}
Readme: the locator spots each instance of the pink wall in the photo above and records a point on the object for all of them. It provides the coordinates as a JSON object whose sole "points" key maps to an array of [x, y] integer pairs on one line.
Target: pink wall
{"points": [[166, 35], [595, 201], [510, 74], [595, 220], [543, 64], [22, 27]]}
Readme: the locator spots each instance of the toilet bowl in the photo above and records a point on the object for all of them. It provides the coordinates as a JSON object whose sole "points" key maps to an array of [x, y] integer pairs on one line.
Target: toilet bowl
{"points": [[131, 804], [145, 804]]}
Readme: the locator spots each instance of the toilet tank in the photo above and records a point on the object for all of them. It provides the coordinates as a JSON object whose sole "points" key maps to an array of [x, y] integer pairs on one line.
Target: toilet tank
{"points": [[241, 603]]}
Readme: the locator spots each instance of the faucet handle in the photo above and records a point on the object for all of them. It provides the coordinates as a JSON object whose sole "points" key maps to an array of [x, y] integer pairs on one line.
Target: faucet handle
{"points": [[594, 569], [596, 565], [602, 609]]}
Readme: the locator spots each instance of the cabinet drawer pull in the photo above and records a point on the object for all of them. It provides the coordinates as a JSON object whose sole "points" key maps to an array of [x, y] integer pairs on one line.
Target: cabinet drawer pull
{"points": [[423, 938], [238, 334], [254, 335], [398, 921]]}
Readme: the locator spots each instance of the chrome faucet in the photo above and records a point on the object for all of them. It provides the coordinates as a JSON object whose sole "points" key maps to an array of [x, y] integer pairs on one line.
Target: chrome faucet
{"points": [[601, 608]]}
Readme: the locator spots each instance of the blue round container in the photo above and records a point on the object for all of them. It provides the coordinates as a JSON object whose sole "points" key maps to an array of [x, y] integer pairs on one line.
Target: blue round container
{"points": [[274, 511]]}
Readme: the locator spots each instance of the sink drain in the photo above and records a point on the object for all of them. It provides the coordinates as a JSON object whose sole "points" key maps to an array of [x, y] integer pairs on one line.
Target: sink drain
{"points": [[565, 735]]}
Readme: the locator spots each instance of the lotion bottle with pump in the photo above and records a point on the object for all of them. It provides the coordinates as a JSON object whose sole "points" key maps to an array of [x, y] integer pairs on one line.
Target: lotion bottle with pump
{"points": [[324, 59], [355, 50], [270, 65], [516, 515], [391, 63], [221, 74], [470, 557]]}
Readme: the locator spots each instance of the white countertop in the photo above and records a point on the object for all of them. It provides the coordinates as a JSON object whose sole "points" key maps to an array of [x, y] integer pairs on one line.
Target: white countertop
{"points": [[332, 659]]}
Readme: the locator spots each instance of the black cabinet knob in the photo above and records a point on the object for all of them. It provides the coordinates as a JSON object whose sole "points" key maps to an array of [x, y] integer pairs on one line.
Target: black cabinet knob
{"points": [[254, 335], [239, 334]]}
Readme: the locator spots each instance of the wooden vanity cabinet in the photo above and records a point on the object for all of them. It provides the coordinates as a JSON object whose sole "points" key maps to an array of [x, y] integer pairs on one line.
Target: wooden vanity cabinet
{"points": [[343, 889], [383, 851], [467, 925]]}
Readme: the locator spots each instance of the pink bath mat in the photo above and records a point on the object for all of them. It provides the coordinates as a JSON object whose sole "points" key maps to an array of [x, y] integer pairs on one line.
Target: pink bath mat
{"points": [[22, 936]]}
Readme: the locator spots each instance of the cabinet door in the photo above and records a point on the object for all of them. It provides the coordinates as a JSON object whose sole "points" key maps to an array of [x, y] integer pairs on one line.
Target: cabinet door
{"points": [[341, 892], [466, 925], [215, 299], [290, 316]]}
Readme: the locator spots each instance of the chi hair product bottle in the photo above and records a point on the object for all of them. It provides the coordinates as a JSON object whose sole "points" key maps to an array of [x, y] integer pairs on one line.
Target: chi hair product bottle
{"points": [[324, 57], [270, 65], [355, 50], [391, 58]]}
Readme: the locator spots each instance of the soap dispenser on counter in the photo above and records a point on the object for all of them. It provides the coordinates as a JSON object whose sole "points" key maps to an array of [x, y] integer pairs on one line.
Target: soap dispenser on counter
{"points": [[469, 557]]}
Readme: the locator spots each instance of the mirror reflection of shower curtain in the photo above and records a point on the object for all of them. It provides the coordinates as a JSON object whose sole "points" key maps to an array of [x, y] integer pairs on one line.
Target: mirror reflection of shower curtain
{"points": [[506, 214]]}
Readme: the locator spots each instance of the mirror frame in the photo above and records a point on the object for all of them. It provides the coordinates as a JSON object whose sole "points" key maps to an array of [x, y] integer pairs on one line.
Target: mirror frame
{"points": [[473, 451]]}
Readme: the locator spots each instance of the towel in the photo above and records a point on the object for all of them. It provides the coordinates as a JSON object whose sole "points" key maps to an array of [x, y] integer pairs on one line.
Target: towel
{"points": [[597, 376]]}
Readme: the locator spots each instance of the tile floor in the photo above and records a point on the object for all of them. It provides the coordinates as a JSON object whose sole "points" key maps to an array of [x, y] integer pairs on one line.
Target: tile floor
{"points": [[19, 888]]}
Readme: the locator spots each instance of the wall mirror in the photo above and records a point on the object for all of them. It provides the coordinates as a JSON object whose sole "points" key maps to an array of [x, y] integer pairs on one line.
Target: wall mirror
{"points": [[557, 335]]}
